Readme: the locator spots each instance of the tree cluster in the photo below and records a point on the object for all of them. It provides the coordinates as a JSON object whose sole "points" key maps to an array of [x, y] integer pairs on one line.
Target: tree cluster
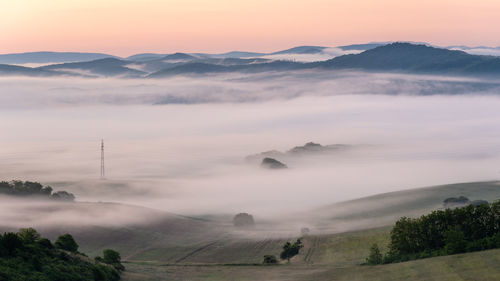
{"points": [[26, 255], [28, 188], [444, 232], [461, 201]]}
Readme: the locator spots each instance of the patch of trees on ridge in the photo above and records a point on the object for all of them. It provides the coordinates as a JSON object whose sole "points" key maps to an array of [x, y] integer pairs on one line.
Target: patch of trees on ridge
{"points": [[442, 232], [33, 189], [454, 202], [25, 255]]}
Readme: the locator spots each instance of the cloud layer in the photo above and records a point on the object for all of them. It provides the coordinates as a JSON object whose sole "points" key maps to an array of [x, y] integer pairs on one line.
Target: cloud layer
{"points": [[179, 144]]}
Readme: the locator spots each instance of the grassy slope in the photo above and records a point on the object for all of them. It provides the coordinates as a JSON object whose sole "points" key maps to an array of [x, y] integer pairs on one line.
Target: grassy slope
{"points": [[364, 213], [331, 256], [195, 249], [384, 209]]}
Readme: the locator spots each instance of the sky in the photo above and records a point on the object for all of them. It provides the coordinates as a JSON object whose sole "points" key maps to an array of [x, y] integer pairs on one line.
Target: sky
{"points": [[125, 27]]}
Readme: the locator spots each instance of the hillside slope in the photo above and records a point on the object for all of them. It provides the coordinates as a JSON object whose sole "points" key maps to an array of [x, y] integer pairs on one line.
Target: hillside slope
{"points": [[417, 59]]}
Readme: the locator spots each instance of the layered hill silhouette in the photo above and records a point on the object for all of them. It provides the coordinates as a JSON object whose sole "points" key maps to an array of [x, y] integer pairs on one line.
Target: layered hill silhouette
{"points": [[408, 57], [394, 57], [103, 67], [50, 57]]}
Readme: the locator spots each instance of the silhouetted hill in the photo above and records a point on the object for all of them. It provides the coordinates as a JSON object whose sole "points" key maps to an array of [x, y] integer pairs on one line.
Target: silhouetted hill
{"points": [[179, 56], [203, 68], [395, 57], [50, 57], [103, 67], [238, 54], [363, 47], [301, 50], [408, 57], [14, 70], [145, 57]]}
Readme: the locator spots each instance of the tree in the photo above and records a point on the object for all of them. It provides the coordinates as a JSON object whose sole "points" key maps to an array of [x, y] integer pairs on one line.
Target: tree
{"points": [[270, 259], [243, 220], [66, 242], [11, 242], [290, 250], [28, 235], [113, 258], [375, 256]]}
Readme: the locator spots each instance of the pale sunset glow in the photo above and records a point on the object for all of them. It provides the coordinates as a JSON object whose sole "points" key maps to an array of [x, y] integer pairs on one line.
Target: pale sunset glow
{"points": [[124, 27]]}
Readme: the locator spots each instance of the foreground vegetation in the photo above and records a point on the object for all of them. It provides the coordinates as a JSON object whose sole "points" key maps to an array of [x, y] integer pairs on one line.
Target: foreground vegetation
{"points": [[25, 255], [452, 231]]}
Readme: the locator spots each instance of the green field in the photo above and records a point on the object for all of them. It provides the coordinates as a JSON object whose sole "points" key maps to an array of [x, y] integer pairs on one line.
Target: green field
{"points": [[330, 257]]}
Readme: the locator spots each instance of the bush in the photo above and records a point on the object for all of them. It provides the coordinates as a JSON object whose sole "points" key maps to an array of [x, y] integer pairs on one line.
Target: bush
{"points": [[270, 259]]}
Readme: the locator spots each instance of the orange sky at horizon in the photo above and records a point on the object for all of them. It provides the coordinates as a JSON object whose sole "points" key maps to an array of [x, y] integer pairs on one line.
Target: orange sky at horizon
{"points": [[125, 27]]}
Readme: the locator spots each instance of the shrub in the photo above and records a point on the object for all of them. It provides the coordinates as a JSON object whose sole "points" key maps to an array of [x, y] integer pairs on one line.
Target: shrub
{"points": [[270, 259]]}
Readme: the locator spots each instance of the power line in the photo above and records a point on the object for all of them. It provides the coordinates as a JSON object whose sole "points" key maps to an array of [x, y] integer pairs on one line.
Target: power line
{"points": [[103, 175]]}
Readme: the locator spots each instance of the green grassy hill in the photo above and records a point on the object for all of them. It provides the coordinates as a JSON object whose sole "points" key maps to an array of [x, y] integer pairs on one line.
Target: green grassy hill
{"points": [[384, 209], [330, 257]]}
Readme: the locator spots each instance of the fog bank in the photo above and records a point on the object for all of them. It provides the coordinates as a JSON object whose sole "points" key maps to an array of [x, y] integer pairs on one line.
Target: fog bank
{"points": [[180, 144]]}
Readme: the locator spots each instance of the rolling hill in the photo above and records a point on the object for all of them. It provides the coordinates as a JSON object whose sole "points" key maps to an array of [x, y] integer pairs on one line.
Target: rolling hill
{"points": [[393, 58], [50, 57], [102, 67], [14, 70], [412, 58], [164, 246]]}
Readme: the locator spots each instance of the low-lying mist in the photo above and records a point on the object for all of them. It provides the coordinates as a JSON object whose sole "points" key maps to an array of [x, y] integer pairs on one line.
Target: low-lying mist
{"points": [[180, 144]]}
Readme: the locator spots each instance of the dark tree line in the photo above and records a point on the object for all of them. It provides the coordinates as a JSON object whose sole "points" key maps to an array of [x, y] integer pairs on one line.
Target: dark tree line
{"points": [[444, 232], [26, 255], [28, 188]]}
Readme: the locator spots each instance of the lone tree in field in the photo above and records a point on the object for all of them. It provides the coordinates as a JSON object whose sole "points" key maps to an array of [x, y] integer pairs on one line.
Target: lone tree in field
{"points": [[243, 220], [375, 256], [290, 250]]}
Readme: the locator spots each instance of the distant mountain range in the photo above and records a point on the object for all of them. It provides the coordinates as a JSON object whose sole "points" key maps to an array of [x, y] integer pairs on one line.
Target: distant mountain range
{"points": [[50, 57], [378, 57]]}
